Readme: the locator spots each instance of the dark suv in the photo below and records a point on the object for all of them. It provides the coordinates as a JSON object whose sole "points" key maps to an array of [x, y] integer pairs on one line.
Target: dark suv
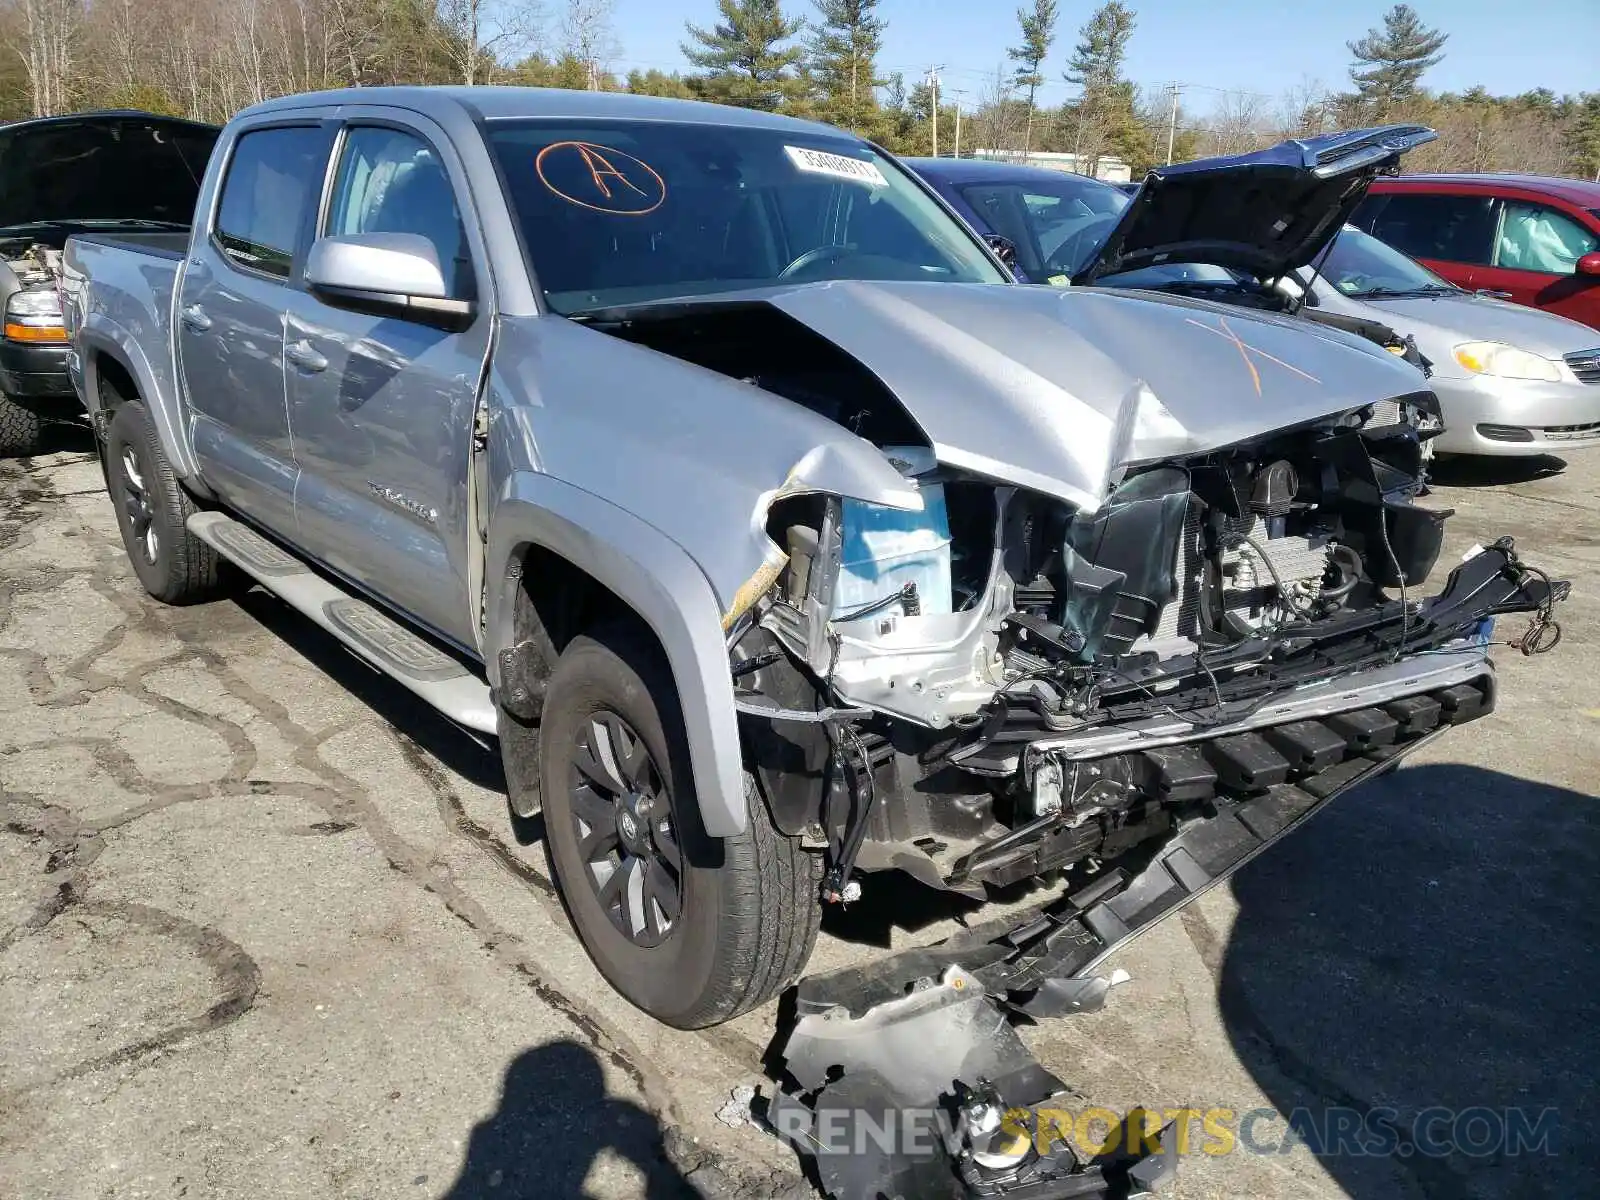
{"points": [[1532, 239]]}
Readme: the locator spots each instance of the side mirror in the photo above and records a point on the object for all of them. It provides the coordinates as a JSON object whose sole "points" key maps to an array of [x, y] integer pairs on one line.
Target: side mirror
{"points": [[393, 273], [1589, 264]]}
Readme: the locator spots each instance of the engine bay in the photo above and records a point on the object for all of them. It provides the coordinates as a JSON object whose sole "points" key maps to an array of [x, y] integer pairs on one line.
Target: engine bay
{"points": [[993, 588]]}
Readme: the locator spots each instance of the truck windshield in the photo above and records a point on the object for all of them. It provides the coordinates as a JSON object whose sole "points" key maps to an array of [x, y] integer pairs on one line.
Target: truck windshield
{"points": [[620, 212]]}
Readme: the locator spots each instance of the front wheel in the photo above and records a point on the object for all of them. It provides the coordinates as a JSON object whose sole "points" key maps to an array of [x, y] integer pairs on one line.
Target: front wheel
{"points": [[692, 929]]}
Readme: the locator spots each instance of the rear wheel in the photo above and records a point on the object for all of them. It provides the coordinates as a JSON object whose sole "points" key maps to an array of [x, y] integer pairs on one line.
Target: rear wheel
{"points": [[152, 508], [21, 429], [693, 929]]}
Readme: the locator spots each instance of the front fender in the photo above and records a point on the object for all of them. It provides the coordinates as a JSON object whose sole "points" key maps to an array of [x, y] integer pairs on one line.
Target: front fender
{"points": [[99, 335], [655, 577]]}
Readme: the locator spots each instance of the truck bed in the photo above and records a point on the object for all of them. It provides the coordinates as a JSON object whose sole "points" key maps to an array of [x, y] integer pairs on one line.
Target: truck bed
{"points": [[162, 243], [113, 285]]}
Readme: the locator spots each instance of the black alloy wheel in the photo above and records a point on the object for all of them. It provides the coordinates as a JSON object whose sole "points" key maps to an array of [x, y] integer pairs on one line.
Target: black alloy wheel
{"points": [[137, 510], [625, 833]]}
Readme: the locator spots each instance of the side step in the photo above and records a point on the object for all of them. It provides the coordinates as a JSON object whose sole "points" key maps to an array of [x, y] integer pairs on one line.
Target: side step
{"points": [[370, 633]]}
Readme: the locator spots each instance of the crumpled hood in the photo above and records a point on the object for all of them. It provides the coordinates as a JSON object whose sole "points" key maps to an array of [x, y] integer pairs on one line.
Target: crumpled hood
{"points": [[1053, 389]]}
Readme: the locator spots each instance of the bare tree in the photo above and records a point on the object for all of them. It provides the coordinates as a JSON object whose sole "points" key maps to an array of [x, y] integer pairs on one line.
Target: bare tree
{"points": [[476, 33], [1001, 116], [49, 48], [1239, 123], [1306, 109], [126, 30], [353, 29], [589, 36]]}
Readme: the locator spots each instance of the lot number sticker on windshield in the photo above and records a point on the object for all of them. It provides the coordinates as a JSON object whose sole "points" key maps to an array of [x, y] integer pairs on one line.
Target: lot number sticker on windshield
{"points": [[820, 162]]}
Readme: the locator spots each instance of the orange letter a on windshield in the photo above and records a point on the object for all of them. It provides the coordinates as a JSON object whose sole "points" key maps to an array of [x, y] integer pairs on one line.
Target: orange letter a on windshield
{"points": [[600, 168]]}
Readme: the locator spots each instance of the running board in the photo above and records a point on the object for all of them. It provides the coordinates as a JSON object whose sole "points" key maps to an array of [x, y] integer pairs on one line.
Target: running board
{"points": [[368, 632]]}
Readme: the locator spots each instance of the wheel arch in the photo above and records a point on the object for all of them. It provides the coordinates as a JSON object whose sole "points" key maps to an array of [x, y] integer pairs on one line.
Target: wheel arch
{"points": [[626, 567], [108, 354]]}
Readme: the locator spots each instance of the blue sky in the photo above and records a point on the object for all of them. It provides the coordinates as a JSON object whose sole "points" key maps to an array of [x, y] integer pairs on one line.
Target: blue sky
{"points": [[1265, 46]]}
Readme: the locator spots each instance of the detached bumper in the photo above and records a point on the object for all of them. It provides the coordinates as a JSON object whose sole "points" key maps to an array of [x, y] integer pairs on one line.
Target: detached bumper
{"points": [[1308, 705], [929, 1030], [1508, 417]]}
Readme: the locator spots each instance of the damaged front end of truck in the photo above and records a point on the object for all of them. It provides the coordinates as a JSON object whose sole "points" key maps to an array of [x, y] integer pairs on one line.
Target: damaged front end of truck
{"points": [[1123, 643], [1080, 648]]}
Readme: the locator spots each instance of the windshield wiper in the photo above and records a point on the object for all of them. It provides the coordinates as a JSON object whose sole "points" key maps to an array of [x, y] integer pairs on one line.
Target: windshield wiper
{"points": [[1427, 289]]}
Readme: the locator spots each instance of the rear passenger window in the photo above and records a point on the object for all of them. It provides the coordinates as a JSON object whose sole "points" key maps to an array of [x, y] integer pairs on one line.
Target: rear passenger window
{"points": [[274, 178], [1448, 228]]}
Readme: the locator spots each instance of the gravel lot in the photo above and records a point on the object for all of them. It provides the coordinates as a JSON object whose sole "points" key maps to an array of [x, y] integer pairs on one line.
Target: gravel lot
{"points": [[265, 930]]}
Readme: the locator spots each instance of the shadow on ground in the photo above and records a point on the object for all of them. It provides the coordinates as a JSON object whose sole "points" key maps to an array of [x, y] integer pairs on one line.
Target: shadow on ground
{"points": [[553, 1121], [1429, 942], [65, 437], [1456, 470]]}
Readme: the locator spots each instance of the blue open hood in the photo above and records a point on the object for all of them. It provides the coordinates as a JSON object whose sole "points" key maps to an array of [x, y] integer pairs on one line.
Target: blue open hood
{"points": [[1264, 213]]}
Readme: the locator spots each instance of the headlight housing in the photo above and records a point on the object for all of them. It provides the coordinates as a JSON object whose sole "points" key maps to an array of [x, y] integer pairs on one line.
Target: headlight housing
{"points": [[1505, 361], [34, 316]]}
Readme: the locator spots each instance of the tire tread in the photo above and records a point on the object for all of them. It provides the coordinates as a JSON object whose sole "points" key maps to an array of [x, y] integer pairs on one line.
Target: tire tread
{"points": [[21, 429]]}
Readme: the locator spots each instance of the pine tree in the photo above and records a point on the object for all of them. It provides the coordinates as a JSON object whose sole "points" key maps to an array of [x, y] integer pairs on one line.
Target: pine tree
{"points": [[744, 58], [1105, 106], [843, 63], [1102, 48], [1390, 62], [655, 82], [1583, 137], [1038, 35]]}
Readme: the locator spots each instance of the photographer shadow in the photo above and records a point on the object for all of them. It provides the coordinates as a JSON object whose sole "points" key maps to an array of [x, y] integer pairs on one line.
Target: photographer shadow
{"points": [[1427, 945], [551, 1129]]}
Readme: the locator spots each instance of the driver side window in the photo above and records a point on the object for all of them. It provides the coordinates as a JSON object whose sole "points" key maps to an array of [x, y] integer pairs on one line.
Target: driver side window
{"points": [[390, 181]]}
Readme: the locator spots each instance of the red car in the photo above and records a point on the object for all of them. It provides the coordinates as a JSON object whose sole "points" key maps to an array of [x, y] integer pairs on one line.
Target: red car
{"points": [[1531, 239]]}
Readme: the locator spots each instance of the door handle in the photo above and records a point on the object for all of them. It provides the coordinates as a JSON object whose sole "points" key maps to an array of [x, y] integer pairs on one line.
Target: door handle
{"points": [[195, 318], [303, 356]]}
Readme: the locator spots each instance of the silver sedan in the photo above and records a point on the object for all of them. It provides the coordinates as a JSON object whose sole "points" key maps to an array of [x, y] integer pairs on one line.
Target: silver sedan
{"points": [[1511, 380]]}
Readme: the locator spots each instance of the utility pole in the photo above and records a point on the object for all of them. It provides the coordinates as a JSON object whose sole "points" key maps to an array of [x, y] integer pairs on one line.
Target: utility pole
{"points": [[1172, 124], [960, 103], [933, 87]]}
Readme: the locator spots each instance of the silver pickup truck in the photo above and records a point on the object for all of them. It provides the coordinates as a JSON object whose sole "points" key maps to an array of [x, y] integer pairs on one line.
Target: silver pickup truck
{"points": [[709, 463]]}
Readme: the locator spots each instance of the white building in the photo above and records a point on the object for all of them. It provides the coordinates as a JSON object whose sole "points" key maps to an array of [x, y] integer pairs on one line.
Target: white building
{"points": [[1113, 170]]}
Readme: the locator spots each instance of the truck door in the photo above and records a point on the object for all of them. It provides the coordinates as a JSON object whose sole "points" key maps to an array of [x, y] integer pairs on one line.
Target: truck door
{"points": [[382, 406], [235, 292]]}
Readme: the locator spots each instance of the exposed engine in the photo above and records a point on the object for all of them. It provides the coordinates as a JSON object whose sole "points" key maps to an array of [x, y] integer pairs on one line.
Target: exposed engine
{"points": [[994, 585], [36, 266], [1238, 545]]}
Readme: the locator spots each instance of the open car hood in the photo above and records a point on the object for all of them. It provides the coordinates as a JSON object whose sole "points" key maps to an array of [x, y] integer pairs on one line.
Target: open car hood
{"points": [[1264, 213], [102, 166]]}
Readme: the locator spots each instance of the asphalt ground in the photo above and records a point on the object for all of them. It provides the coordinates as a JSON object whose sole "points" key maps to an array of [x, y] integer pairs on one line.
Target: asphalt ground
{"points": [[265, 929]]}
